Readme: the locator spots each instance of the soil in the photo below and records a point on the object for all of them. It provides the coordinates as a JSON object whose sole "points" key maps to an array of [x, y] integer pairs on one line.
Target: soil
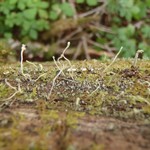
{"points": [[88, 106]]}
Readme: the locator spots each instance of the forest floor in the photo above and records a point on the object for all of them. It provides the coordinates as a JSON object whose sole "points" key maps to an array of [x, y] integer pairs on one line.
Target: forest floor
{"points": [[90, 105]]}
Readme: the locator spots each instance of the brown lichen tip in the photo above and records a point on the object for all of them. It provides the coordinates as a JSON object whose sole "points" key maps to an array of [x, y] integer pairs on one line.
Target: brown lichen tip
{"points": [[139, 54], [23, 47]]}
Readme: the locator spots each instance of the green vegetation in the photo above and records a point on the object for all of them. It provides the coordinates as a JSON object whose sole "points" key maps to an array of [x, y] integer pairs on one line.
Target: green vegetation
{"points": [[29, 16], [110, 24]]}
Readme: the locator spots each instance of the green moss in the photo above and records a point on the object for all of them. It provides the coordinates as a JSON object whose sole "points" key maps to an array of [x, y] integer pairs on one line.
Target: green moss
{"points": [[121, 92], [3, 90]]}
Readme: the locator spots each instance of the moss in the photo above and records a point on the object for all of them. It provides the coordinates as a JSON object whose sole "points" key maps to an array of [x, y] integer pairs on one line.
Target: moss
{"points": [[146, 109], [5, 52], [3, 90], [122, 92], [98, 147]]}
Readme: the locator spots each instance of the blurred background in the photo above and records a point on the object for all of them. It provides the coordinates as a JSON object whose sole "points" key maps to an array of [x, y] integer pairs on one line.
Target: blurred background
{"points": [[96, 28]]}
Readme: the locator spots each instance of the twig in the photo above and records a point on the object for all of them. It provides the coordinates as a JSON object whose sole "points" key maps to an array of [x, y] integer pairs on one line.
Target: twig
{"points": [[85, 47], [72, 3], [101, 46], [78, 51], [78, 30], [102, 28], [95, 10]]}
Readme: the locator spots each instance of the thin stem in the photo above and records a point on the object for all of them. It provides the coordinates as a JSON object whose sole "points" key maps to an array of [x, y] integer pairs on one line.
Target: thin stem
{"points": [[53, 83], [113, 60], [137, 56], [12, 87], [23, 48]]}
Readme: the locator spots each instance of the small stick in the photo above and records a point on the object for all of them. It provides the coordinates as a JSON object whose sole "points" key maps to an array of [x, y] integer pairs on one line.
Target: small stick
{"points": [[85, 47], [78, 51]]}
